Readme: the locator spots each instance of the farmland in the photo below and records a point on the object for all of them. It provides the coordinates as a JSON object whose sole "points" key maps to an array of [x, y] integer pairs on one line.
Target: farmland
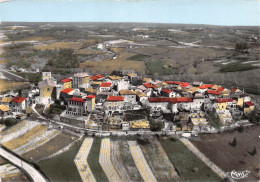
{"points": [[125, 159], [233, 158], [172, 51], [6, 85]]}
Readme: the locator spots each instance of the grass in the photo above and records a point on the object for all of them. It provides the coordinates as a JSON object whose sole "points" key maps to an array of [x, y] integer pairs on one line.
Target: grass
{"points": [[32, 77], [54, 109], [185, 161], [107, 66], [6, 85], [60, 45], [93, 161], [236, 66], [158, 67], [22, 140], [139, 57], [51, 147], [62, 167], [135, 115]]}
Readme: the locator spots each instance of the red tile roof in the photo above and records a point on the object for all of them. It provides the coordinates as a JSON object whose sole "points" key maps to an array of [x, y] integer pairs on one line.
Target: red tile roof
{"points": [[96, 77], [166, 91], [148, 85], [213, 92], [220, 89], [75, 99], [115, 98], [184, 84], [205, 86], [234, 89], [184, 99], [99, 76], [163, 99], [18, 99], [66, 80], [171, 99], [249, 103], [91, 96], [105, 84], [224, 100], [67, 90]]}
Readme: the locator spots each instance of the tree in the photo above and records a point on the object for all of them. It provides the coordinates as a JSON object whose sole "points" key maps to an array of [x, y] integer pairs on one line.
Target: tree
{"points": [[254, 152], [234, 142], [156, 125]]}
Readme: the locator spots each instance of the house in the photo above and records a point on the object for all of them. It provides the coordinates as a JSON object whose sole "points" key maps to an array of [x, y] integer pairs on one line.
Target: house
{"points": [[114, 104], [114, 78], [197, 83], [105, 87], [198, 121], [225, 117], [185, 103], [18, 104], [97, 78], [236, 90], [147, 80], [212, 94], [67, 83], [122, 85], [131, 77], [66, 94], [76, 106], [198, 101], [46, 91], [46, 75], [90, 91], [129, 95], [168, 93], [223, 104], [79, 79], [164, 104], [141, 97], [5, 111], [6, 101], [249, 107], [90, 102]]}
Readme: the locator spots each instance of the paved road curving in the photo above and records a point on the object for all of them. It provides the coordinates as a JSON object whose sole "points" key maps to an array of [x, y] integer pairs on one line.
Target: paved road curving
{"points": [[33, 173]]}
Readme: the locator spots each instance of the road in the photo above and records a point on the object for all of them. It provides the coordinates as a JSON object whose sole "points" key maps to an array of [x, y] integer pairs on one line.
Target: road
{"points": [[34, 174]]}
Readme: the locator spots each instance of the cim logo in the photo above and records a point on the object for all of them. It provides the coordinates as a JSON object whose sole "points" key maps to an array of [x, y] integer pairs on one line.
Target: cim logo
{"points": [[239, 174]]}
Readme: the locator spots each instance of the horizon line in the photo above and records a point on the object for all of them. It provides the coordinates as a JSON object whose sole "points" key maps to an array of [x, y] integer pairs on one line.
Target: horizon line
{"points": [[115, 22]]}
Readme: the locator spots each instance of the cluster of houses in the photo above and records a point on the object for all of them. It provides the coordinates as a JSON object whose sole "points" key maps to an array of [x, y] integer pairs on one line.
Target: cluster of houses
{"points": [[92, 100]]}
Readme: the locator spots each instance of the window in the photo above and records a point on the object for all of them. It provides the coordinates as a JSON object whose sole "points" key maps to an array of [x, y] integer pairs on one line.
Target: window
{"points": [[48, 89]]}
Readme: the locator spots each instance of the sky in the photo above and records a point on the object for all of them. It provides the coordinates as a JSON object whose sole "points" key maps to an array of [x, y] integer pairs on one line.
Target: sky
{"points": [[214, 12]]}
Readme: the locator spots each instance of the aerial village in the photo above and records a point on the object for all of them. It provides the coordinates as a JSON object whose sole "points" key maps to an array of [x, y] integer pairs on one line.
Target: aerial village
{"points": [[127, 102]]}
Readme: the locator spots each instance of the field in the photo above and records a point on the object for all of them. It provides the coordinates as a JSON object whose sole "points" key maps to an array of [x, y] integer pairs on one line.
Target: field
{"points": [[62, 167], [106, 67], [60, 45], [217, 148], [185, 162], [50, 147], [125, 159], [159, 161], [6, 85]]}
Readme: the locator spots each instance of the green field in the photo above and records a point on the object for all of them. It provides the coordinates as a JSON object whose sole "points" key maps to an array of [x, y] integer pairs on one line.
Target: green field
{"points": [[185, 162], [158, 67], [93, 161], [138, 57], [62, 167], [235, 66], [32, 77]]}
